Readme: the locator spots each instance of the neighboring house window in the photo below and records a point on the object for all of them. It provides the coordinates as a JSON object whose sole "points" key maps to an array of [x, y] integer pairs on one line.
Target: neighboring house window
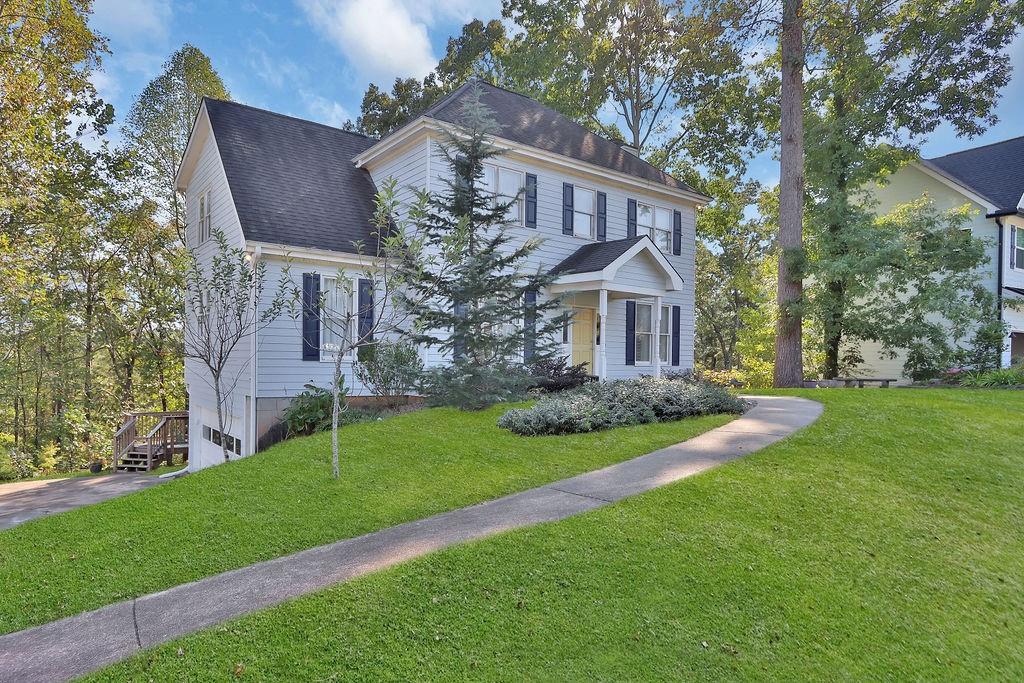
{"points": [[336, 317], [205, 222], [583, 210], [655, 222], [644, 332], [506, 185], [1017, 247], [665, 333]]}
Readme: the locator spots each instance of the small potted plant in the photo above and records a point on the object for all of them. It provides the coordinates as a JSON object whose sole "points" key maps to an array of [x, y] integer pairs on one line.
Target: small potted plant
{"points": [[96, 466]]}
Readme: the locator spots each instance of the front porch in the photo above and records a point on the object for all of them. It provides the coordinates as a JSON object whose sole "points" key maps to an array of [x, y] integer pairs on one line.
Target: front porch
{"points": [[635, 278]]}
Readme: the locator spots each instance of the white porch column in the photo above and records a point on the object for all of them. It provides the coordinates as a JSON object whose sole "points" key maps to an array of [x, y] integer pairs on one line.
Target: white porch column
{"points": [[656, 345], [602, 311]]}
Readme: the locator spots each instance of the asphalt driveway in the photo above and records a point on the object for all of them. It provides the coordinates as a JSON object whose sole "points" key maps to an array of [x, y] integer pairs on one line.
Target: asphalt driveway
{"points": [[25, 500]]}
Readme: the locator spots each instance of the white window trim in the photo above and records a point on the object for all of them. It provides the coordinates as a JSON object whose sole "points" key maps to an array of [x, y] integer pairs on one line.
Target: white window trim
{"points": [[592, 236], [204, 224], [329, 356], [665, 331], [637, 333], [1018, 262], [520, 198], [654, 230]]}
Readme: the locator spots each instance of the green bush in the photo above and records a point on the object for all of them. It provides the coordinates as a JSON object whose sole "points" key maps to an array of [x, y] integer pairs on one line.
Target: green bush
{"points": [[469, 386], [555, 374], [310, 411], [1005, 377], [14, 464], [619, 403], [389, 370]]}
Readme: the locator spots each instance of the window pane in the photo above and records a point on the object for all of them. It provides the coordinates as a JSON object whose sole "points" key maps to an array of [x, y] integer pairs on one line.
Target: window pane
{"points": [[643, 348], [583, 200], [581, 224], [644, 216], [487, 182], [663, 219], [666, 316], [334, 326], [664, 241], [509, 182], [643, 318], [663, 348], [512, 215]]}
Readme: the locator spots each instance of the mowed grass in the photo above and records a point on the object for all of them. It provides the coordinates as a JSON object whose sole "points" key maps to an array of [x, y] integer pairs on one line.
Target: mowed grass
{"points": [[284, 500], [885, 542]]}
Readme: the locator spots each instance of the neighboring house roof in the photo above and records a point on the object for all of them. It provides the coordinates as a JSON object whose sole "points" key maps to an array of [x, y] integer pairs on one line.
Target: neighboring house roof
{"points": [[994, 171], [528, 122], [594, 257], [293, 181]]}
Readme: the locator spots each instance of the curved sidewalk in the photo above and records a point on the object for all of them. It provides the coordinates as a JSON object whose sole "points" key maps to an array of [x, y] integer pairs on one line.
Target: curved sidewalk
{"points": [[86, 642]]}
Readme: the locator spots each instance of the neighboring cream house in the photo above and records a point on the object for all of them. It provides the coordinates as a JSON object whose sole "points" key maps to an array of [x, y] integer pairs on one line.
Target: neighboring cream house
{"points": [[990, 179], [618, 233]]}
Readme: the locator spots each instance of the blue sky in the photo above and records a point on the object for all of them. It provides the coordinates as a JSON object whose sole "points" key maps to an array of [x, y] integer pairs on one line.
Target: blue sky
{"points": [[314, 58]]}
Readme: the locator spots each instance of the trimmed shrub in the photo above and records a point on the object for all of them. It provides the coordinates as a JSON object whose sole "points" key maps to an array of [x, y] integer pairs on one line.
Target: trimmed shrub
{"points": [[310, 411], [619, 403], [555, 374]]}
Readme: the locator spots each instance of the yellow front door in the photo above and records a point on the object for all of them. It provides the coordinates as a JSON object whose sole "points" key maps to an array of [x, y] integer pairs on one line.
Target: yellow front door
{"points": [[583, 337]]}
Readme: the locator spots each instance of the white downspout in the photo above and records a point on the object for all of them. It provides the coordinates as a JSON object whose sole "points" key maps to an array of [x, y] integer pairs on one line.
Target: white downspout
{"points": [[254, 384]]}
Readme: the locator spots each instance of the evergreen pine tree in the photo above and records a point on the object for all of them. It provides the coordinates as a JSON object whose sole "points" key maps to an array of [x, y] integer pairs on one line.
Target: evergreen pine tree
{"points": [[485, 308]]}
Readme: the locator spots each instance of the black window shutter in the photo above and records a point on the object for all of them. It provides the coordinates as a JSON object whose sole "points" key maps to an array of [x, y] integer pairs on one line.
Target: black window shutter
{"points": [[1013, 247], [310, 316], [677, 233], [529, 325], [567, 208], [675, 335], [365, 311], [631, 332], [457, 347], [630, 218], [531, 200], [602, 217]]}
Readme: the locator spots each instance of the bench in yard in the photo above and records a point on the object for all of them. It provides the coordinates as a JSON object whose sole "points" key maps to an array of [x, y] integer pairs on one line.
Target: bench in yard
{"points": [[860, 381]]}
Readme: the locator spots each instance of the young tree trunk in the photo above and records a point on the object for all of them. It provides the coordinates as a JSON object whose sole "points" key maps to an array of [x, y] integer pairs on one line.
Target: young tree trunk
{"points": [[336, 415], [788, 352], [218, 396]]}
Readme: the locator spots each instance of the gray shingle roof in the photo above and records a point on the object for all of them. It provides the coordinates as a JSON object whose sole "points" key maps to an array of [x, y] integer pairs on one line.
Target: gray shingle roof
{"points": [[529, 122], [994, 171], [594, 256], [293, 181]]}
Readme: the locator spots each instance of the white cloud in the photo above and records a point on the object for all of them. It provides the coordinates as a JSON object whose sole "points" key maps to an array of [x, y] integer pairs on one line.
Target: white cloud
{"points": [[133, 22], [381, 39], [325, 110], [276, 71]]}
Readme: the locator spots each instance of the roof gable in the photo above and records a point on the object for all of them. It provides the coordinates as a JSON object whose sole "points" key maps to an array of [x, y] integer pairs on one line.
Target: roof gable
{"points": [[528, 122], [292, 180], [603, 260], [996, 171]]}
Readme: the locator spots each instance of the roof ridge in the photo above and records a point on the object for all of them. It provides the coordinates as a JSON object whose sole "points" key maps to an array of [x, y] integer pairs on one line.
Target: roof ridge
{"points": [[974, 149], [289, 116]]}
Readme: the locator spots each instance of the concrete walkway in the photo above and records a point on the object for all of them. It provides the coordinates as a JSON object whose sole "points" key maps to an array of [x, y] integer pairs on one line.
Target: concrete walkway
{"points": [[77, 645], [25, 500]]}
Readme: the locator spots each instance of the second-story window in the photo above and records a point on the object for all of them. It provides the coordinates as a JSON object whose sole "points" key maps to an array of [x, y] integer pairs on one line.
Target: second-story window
{"points": [[583, 206], [204, 224], [655, 222], [506, 185]]}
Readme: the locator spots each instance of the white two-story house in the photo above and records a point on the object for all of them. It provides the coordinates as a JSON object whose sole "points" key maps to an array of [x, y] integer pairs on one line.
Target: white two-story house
{"points": [[617, 232], [990, 179]]}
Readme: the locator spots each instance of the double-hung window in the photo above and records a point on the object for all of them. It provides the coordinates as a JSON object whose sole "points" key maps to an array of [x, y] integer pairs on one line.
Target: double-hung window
{"points": [[204, 225], [335, 318], [664, 333], [584, 204], [644, 332], [656, 222], [506, 185], [1017, 247], [663, 229]]}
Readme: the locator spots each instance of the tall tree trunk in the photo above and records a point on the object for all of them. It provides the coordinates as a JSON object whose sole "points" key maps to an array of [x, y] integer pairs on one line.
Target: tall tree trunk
{"points": [[788, 351], [835, 300]]}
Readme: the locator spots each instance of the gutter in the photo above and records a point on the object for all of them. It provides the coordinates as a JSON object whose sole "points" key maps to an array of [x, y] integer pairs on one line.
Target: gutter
{"points": [[999, 279]]}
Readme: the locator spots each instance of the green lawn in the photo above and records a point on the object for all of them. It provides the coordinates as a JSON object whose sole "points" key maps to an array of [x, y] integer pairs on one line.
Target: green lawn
{"points": [[284, 500], [884, 542]]}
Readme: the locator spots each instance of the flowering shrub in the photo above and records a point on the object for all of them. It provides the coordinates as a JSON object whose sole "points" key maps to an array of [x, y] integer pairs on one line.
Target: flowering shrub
{"points": [[619, 403]]}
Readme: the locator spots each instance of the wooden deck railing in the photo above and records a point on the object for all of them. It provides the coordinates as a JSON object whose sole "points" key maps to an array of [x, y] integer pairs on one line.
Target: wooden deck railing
{"points": [[153, 436]]}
